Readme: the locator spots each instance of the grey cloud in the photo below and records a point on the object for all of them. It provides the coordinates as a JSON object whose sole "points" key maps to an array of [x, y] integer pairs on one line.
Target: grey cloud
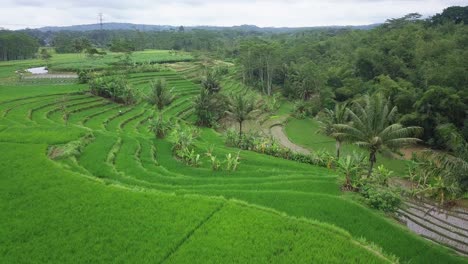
{"points": [[215, 12]]}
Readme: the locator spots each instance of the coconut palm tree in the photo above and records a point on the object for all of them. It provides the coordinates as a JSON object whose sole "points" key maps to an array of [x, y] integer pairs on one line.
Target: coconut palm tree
{"points": [[210, 82], [241, 107], [161, 96], [373, 128], [454, 162], [329, 118]]}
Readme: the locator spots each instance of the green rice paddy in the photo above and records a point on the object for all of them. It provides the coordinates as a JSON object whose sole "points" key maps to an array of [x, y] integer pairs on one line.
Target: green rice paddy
{"points": [[124, 198]]}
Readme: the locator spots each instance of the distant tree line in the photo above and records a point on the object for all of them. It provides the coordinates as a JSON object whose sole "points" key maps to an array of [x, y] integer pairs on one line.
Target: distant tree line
{"points": [[17, 46], [135, 40]]}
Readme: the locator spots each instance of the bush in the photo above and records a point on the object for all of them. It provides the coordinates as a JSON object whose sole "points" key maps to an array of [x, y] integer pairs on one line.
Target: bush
{"points": [[271, 103], [232, 162], [381, 198], [209, 107], [183, 137], [114, 88], [84, 76], [160, 127], [303, 109], [267, 145], [189, 156], [221, 70]]}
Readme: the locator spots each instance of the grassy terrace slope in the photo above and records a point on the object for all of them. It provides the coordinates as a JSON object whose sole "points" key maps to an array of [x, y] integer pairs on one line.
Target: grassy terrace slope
{"points": [[316, 141], [125, 198], [53, 214]]}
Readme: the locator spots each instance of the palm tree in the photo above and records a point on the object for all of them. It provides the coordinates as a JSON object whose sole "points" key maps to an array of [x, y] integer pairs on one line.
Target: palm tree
{"points": [[372, 127], [454, 162], [328, 120], [241, 107], [210, 82], [161, 95]]}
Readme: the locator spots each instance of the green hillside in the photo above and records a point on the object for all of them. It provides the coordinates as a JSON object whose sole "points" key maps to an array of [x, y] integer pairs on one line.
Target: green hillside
{"points": [[100, 187]]}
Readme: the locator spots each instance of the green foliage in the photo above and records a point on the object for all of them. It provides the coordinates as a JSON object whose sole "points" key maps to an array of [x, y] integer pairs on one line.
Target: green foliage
{"points": [[84, 76], [160, 126], [404, 59], [44, 54], [91, 52], [267, 145], [259, 60], [210, 82], [373, 128], [209, 106], [328, 119], [161, 95], [72, 148], [303, 81], [188, 156], [455, 14], [442, 175], [17, 46], [241, 107], [381, 198], [382, 175], [122, 45], [232, 161], [214, 161], [303, 109], [183, 137], [350, 167], [270, 104], [115, 88]]}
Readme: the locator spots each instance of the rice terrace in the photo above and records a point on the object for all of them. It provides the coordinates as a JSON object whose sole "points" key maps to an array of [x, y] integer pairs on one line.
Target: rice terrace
{"points": [[129, 143]]}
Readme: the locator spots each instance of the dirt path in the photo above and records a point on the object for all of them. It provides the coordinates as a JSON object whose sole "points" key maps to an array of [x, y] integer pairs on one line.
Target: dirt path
{"points": [[278, 133]]}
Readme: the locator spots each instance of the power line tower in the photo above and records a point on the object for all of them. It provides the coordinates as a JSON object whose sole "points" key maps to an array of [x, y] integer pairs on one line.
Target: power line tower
{"points": [[100, 20], [101, 33]]}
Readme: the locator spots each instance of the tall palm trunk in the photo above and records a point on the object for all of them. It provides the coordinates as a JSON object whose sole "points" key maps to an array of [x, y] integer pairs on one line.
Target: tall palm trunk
{"points": [[338, 148], [348, 180], [372, 160], [240, 130]]}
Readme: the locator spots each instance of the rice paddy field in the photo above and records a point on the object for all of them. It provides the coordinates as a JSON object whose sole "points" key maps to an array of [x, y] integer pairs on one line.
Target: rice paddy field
{"points": [[122, 197]]}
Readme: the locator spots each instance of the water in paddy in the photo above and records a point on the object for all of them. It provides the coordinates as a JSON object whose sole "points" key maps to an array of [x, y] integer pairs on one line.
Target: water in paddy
{"points": [[38, 70]]}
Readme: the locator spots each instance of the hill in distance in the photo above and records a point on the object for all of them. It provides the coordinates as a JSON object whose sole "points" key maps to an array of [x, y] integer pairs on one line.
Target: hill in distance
{"points": [[144, 27]]}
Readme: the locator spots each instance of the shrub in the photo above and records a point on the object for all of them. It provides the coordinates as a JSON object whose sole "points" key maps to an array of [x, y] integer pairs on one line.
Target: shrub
{"points": [[183, 137], [267, 145], [84, 76], [381, 198], [221, 70], [303, 109], [189, 156], [271, 103], [232, 161], [114, 88], [209, 107], [160, 127], [215, 163]]}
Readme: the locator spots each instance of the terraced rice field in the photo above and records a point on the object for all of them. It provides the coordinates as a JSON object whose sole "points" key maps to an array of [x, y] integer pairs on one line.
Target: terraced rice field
{"points": [[124, 197]]}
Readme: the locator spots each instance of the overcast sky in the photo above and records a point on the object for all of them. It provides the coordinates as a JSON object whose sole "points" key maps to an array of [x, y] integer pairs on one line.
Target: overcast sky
{"points": [[15, 14]]}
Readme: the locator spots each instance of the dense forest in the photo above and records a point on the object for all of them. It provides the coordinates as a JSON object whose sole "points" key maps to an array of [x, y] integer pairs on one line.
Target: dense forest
{"points": [[421, 65], [17, 46]]}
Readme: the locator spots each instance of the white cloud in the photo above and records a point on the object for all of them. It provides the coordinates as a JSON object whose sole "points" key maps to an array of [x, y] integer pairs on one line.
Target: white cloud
{"points": [[292, 13]]}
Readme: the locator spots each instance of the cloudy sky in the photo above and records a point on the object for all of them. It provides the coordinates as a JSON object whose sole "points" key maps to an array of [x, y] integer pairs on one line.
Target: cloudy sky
{"points": [[16, 14]]}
